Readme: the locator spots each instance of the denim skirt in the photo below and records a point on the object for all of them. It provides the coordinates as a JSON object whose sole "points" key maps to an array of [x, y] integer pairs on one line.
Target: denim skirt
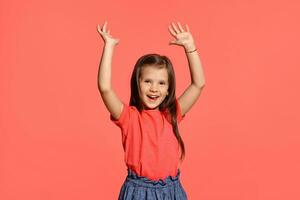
{"points": [[137, 187]]}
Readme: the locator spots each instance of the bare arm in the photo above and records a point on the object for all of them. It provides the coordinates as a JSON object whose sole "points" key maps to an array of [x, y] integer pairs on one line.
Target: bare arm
{"points": [[110, 99], [192, 92]]}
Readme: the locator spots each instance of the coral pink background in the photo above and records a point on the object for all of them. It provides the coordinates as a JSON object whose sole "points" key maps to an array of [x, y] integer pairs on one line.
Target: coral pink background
{"points": [[242, 136]]}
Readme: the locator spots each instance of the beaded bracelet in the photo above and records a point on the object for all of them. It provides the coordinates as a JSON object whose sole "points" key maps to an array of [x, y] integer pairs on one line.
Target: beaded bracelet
{"points": [[191, 51]]}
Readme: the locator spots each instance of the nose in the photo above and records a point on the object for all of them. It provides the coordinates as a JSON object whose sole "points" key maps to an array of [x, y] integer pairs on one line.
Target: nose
{"points": [[153, 88]]}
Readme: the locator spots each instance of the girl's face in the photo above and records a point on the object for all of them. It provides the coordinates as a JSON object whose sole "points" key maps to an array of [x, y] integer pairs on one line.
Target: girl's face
{"points": [[153, 86]]}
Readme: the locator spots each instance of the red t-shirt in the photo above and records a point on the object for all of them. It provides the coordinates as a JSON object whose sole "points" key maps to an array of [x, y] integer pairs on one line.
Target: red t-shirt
{"points": [[150, 146]]}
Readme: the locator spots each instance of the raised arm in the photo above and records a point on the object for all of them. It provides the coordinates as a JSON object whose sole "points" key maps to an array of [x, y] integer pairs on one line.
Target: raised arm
{"points": [[192, 92], [110, 99]]}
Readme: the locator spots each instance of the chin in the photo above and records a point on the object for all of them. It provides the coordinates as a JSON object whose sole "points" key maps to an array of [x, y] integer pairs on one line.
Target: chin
{"points": [[151, 106]]}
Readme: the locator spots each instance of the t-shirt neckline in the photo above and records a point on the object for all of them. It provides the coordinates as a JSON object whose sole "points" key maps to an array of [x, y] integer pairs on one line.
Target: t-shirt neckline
{"points": [[151, 110]]}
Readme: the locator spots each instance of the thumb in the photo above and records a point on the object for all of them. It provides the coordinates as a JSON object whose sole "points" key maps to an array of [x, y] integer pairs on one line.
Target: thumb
{"points": [[172, 42]]}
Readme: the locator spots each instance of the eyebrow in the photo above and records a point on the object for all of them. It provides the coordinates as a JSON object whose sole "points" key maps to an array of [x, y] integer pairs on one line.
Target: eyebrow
{"points": [[158, 80]]}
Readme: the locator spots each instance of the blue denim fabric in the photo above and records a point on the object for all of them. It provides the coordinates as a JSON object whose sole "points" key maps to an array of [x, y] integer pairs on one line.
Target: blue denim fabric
{"points": [[138, 187]]}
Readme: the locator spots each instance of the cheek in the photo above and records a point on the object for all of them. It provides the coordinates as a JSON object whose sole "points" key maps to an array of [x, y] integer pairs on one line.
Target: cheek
{"points": [[142, 89], [166, 89]]}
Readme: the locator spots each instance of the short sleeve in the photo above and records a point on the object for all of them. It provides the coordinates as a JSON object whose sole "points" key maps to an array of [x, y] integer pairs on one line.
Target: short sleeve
{"points": [[178, 110], [123, 118], [127, 119]]}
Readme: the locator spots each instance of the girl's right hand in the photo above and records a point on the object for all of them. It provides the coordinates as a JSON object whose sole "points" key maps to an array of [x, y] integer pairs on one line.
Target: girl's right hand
{"points": [[108, 39]]}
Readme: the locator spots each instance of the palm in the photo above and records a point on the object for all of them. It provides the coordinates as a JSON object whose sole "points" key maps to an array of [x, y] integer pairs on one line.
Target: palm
{"points": [[183, 38], [106, 36]]}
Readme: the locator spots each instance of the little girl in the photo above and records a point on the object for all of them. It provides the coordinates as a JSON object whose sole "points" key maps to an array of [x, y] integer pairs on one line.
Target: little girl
{"points": [[149, 124]]}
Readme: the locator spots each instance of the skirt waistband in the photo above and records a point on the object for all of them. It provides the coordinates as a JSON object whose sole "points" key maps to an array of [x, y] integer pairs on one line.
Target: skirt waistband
{"points": [[146, 182]]}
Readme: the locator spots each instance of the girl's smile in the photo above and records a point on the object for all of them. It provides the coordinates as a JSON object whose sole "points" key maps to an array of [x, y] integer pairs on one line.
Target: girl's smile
{"points": [[153, 86]]}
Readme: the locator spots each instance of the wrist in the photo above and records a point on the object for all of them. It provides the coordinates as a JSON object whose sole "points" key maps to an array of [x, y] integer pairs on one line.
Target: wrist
{"points": [[109, 45], [191, 51], [190, 48]]}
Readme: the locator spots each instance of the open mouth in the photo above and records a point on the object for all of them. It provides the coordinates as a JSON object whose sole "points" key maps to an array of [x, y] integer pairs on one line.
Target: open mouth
{"points": [[153, 98]]}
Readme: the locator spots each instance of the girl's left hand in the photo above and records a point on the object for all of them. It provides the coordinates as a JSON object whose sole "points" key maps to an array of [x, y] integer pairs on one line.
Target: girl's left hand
{"points": [[183, 38]]}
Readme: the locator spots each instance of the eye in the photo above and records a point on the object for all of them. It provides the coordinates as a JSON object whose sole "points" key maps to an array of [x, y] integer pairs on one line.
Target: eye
{"points": [[162, 83], [147, 81]]}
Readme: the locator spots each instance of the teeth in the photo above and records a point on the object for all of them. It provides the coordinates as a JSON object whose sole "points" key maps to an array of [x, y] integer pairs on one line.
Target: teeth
{"points": [[153, 97]]}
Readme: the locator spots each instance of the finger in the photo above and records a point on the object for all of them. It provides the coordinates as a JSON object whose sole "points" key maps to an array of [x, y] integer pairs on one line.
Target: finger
{"points": [[172, 31], [98, 29], [187, 27], [176, 30], [173, 42], [181, 29], [104, 26]]}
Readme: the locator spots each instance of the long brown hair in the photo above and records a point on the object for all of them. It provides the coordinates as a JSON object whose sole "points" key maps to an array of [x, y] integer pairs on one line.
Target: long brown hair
{"points": [[169, 102]]}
